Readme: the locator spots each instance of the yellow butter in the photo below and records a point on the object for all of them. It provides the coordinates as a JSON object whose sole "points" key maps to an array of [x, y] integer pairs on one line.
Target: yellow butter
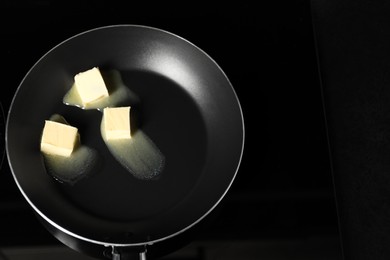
{"points": [[90, 85], [116, 123], [58, 138]]}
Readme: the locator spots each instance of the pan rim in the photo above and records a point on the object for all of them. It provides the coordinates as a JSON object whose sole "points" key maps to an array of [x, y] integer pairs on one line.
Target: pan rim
{"points": [[3, 124], [106, 243]]}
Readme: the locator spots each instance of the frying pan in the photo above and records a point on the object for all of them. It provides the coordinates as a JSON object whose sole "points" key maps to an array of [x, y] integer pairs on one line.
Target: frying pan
{"points": [[186, 106]]}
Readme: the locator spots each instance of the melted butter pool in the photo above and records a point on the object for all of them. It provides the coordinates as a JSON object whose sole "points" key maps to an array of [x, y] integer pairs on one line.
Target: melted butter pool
{"points": [[139, 155], [71, 169], [80, 164]]}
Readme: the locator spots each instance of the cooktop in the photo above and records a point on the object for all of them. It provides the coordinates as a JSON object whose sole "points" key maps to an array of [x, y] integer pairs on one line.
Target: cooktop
{"points": [[283, 188]]}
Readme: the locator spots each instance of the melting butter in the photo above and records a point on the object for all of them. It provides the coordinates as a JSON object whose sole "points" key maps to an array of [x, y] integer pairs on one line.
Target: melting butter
{"points": [[119, 93], [80, 164], [139, 155]]}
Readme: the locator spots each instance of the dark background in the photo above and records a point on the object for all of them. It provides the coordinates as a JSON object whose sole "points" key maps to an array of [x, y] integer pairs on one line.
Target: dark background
{"points": [[354, 58], [284, 187]]}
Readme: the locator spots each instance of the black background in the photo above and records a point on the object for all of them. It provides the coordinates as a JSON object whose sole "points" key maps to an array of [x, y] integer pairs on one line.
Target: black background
{"points": [[284, 187], [353, 47]]}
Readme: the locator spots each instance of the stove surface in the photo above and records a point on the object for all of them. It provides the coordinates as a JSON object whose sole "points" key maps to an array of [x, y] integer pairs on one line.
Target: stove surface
{"points": [[283, 194]]}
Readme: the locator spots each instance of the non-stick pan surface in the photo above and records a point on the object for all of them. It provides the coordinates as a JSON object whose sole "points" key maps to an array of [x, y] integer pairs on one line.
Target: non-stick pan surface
{"points": [[187, 107]]}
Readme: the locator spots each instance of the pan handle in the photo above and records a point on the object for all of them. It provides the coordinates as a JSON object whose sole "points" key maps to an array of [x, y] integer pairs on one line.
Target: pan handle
{"points": [[125, 254]]}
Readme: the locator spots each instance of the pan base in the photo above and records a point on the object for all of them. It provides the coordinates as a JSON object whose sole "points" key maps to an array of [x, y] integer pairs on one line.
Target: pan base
{"points": [[171, 118]]}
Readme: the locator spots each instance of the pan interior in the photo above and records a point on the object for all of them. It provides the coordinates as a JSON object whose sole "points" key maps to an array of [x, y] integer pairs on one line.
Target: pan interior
{"points": [[186, 106], [171, 119]]}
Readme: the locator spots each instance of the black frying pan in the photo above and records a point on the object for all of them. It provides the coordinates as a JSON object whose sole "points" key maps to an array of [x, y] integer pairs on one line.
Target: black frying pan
{"points": [[187, 106]]}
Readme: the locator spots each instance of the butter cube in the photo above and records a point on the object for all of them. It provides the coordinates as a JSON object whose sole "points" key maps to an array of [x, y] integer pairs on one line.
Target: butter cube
{"points": [[90, 85], [58, 138], [116, 121]]}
